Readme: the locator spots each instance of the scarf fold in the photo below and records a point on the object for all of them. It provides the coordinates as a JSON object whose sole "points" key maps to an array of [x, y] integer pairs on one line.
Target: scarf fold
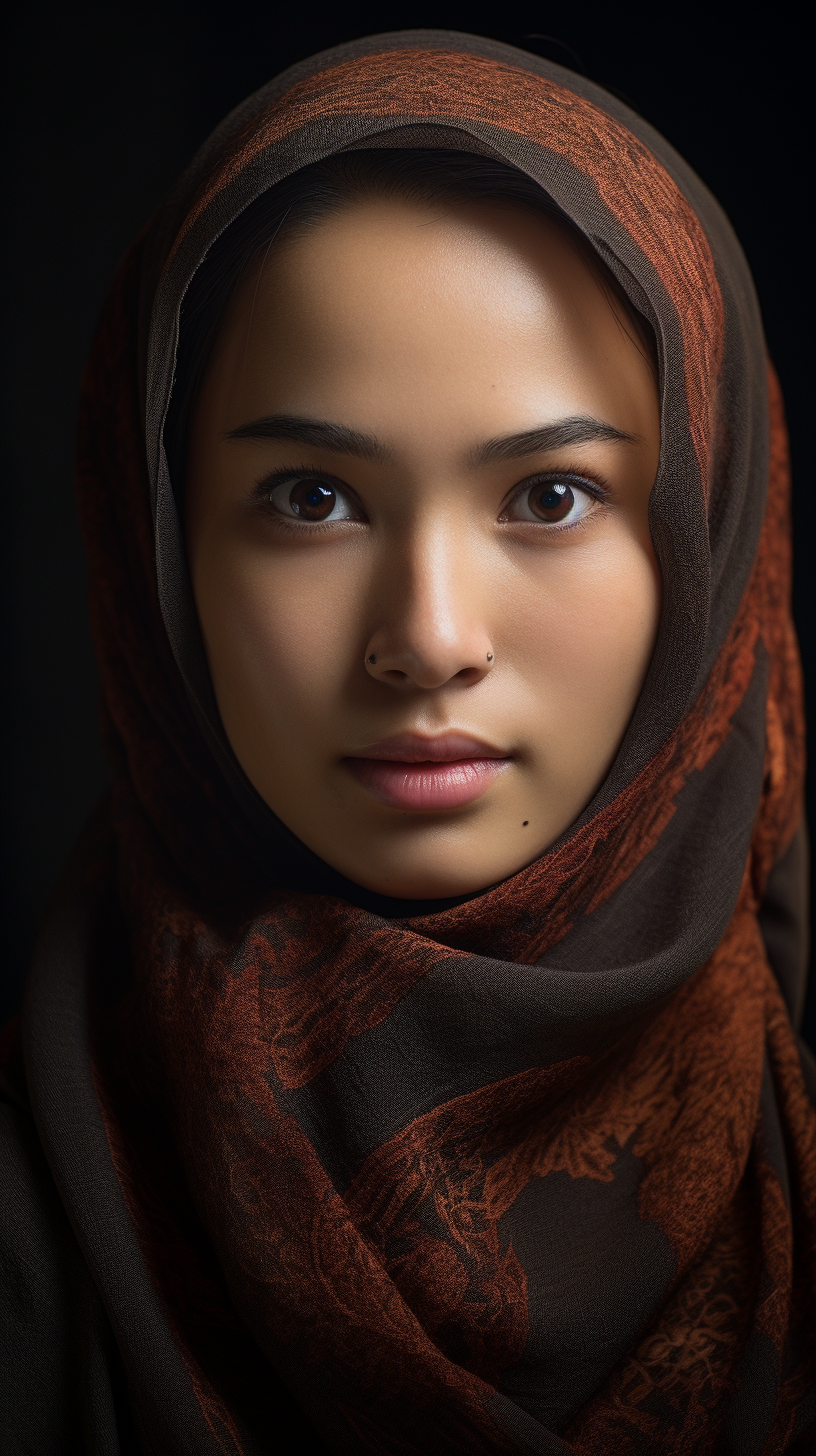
{"points": [[533, 1173]]}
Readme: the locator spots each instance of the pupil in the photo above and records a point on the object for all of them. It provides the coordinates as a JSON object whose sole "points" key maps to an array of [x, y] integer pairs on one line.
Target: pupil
{"points": [[312, 500], [552, 501]]}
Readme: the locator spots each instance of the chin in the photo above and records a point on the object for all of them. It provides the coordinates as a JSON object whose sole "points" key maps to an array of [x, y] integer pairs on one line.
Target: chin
{"points": [[432, 880]]}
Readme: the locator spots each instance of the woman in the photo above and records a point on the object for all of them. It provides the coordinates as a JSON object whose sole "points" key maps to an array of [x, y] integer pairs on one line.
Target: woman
{"points": [[408, 1062]]}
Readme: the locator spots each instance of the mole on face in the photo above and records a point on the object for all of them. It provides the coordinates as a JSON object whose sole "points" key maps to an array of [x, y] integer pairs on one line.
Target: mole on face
{"points": [[418, 490]]}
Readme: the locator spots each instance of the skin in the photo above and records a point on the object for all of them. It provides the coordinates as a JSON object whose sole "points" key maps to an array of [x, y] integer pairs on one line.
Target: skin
{"points": [[432, 330]]}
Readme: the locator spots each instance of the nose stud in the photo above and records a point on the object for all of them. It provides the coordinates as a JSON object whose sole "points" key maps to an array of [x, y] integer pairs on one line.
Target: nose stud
{"points": [[490, 656], [373, 658]]}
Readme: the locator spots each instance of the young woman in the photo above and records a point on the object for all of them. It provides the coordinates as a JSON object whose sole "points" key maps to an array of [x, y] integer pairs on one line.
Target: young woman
{"points": [[409, 1061]]}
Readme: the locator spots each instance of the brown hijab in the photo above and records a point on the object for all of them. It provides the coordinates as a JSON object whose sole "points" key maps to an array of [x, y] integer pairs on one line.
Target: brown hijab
{"points": [[531, 1173]]}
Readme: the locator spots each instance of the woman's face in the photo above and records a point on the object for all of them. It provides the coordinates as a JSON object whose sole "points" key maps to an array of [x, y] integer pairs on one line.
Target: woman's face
{"points": [[418, 534]]}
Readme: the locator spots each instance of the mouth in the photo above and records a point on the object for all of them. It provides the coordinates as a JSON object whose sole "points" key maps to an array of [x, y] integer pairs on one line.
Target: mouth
{"points": [[411, 772]]}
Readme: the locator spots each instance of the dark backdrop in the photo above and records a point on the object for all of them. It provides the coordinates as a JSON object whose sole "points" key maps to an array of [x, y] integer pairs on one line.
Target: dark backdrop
{"points": [[106, 104]]}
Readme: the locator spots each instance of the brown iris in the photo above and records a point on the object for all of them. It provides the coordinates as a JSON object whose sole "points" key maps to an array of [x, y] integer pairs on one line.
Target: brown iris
{"points": [[552, 500], [312, 500]]}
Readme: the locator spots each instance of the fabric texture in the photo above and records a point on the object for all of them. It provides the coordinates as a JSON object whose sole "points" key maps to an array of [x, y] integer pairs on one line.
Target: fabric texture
{"points": [[531, 1173]]}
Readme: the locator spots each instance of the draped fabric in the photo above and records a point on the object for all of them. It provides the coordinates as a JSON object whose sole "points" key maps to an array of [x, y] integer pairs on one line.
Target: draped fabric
{"points": [[531, 1173]]}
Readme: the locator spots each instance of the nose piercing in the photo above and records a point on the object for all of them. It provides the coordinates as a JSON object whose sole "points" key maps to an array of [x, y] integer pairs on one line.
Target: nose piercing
{"points": [[372, 658]]}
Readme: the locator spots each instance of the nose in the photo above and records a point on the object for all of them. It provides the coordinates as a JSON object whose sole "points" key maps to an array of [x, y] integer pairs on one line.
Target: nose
{"points": [[431, 629]]}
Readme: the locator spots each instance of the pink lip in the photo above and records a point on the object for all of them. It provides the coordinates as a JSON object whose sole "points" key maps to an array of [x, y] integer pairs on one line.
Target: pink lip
{"points": [[411, 772]]}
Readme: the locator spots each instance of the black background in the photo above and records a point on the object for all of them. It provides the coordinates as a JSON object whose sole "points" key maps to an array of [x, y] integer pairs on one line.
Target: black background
{"points": [[106, 105]]}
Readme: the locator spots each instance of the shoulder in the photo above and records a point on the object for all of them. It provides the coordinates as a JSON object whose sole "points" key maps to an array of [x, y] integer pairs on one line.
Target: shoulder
{"points": [[60, 1364]]}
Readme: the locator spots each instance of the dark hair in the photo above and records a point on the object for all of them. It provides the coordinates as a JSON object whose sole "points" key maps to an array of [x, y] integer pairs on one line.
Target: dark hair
{"points": [[303, 200]]}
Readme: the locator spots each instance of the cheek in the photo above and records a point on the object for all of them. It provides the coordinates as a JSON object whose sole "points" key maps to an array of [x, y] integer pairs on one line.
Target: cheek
{"points": [[588, 637], [280, 634]]}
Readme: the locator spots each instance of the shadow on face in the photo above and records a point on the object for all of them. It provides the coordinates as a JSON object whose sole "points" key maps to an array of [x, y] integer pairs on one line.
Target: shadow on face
{"points": [[418, 483]]}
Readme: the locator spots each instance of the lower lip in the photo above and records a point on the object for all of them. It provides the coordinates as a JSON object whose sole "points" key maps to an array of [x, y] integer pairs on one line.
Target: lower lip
{"points": [[426, 785]]}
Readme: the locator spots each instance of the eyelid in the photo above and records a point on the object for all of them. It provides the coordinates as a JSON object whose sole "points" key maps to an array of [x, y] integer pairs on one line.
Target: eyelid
{"points": [[264, 488], [277, 477], [585, 479], [579, 478]]}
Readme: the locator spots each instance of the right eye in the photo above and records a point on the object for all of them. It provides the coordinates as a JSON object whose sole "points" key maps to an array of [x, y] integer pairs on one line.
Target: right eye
{"points": [[311, 498]]}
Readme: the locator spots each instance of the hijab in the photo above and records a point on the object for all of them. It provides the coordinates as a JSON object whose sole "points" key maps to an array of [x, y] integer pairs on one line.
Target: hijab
{"points": [[531, 1172]]}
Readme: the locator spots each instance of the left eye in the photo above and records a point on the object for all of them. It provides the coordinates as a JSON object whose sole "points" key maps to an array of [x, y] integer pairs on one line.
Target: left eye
{"points": [[551, 501], [309, 499]]}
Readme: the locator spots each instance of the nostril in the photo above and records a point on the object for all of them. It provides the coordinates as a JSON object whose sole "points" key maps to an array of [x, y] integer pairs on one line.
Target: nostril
{"points": [[425, 671]]}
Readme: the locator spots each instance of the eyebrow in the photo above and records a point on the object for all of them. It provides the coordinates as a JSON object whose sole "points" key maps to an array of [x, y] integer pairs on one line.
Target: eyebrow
{"points": [[320, 434], [341, 440], [577, 430]]}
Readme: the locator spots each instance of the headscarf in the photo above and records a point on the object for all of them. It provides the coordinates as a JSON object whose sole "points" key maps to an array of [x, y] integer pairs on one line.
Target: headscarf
{"points": [[535, 1172]]}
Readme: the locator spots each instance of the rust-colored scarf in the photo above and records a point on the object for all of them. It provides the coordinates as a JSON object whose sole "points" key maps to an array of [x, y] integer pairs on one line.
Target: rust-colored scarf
{"points": [[535, 1173]]}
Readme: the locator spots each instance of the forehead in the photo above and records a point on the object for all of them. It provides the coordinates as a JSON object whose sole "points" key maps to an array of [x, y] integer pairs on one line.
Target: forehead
{"points": [[443, 248], [394, 305], [417, 269]]}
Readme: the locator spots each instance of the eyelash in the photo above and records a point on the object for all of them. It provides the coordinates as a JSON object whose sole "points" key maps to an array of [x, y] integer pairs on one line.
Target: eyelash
{"points": [[264, 489], [582, 479], [587, 481]]}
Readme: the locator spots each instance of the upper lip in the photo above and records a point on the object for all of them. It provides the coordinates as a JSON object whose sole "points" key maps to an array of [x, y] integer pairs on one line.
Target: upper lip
{"points": [[444, 748]]}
